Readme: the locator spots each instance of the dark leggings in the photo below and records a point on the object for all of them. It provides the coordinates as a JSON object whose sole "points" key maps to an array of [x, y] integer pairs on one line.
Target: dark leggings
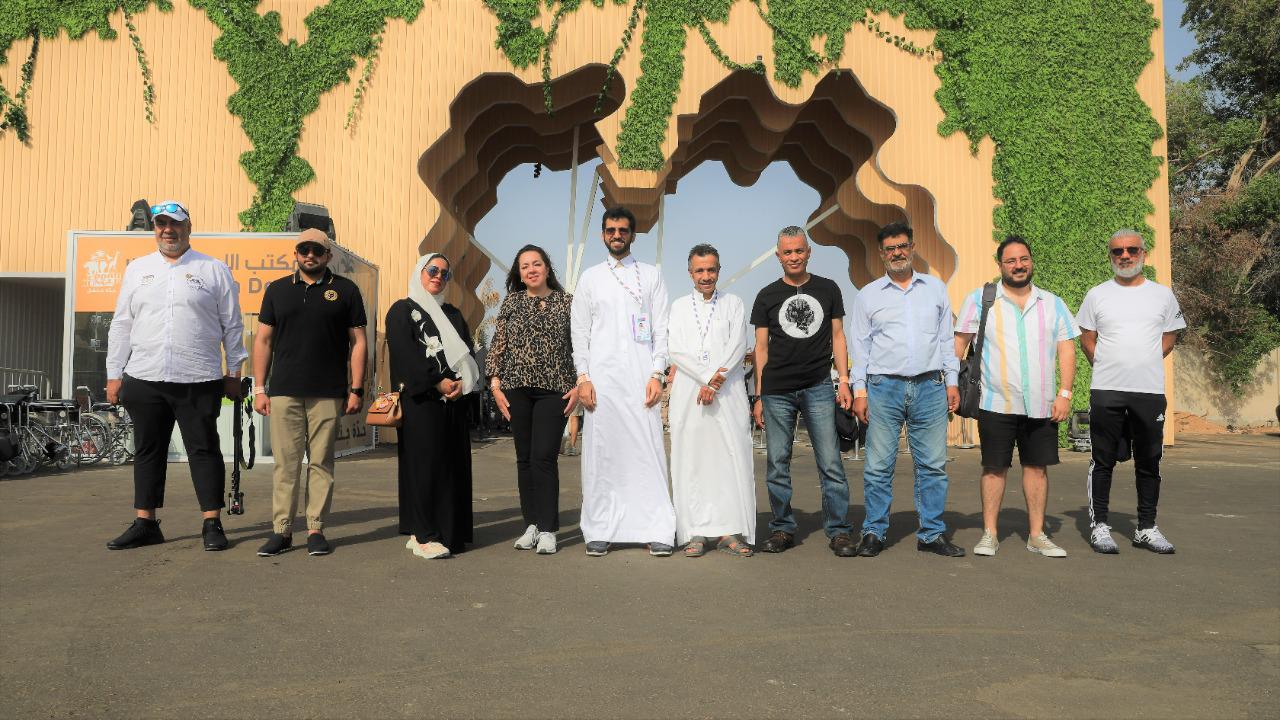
{"points": [[154, 407], [1110, 412], [537, 422]]}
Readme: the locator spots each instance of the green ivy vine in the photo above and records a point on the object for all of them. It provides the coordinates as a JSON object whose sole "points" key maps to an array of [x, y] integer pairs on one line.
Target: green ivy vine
{"points": [[280, 84], [47, 18]]}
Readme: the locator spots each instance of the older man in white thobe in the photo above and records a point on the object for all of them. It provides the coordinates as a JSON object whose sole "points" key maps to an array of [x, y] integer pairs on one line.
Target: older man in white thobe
{"points": [[619, 328], [712, 473]]}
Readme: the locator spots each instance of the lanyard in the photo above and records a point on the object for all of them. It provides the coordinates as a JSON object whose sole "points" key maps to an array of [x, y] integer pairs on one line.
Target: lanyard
{"points": [[702, 331], [638, 293]]}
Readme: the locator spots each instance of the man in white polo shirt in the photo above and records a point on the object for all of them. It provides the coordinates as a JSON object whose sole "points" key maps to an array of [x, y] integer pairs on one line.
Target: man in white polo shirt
{"points": [[177, 312], [1128, 325], [1029, 334]]}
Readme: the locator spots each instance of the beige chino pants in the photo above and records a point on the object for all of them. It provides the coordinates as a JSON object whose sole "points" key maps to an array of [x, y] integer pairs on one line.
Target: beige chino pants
{"points": [[302, 426]]}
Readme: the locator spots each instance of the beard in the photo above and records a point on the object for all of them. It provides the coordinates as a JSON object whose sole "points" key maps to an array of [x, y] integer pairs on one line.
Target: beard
{"points": [[1016, 282], [1130, 272]]}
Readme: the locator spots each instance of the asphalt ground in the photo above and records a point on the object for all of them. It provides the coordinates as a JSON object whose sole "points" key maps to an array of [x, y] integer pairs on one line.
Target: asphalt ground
{"points": [[371, 631]]}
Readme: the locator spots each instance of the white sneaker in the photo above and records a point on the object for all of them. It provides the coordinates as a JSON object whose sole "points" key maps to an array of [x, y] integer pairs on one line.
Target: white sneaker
{"points": [[1101, 541], [1046, 547], [526, 541], [546, 543], [431, 551], [1153, 540], [988, 545]]}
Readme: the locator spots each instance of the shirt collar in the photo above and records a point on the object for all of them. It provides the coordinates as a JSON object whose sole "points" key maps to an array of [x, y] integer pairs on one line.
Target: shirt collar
{"points": [[1036, 294], [627, 261], [886, 281]]}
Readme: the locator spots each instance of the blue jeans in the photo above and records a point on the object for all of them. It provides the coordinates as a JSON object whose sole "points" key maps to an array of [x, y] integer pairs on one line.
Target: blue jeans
{"points": [[818, 403], [921, 403]]}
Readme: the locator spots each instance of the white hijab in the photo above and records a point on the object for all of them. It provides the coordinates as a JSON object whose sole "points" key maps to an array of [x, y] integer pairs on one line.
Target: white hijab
{"points": [[455, 349]]}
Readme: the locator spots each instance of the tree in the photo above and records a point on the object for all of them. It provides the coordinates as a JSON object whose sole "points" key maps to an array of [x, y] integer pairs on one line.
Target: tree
{"points": [[1224, 181]]}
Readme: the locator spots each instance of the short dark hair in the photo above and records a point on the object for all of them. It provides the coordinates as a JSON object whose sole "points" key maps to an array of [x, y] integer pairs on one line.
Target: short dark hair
{"points": [[514, 282], [703, 250], [1011, 240], [894, 229], [619, 213]]}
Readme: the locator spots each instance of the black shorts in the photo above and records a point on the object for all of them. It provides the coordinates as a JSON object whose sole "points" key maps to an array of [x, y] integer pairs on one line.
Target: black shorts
{"points": [[1037, 439]]}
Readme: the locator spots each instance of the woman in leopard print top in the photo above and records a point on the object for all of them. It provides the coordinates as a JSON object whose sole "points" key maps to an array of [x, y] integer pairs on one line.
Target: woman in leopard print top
{"points": [[530, 370]]}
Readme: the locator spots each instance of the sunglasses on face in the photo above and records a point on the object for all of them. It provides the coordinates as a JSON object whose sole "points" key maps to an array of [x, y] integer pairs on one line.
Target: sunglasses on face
{"points": [[167, 207], [617, 231], [1133, 250], [312, 249], [433, 271], [891, 249]]}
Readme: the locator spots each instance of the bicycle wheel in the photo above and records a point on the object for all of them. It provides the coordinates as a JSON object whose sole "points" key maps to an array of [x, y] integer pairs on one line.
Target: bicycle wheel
{"points": [[91, 441]]}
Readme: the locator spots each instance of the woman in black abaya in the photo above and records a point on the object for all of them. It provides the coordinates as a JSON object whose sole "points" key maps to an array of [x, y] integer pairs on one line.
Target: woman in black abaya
{"points": [[429, 345]]}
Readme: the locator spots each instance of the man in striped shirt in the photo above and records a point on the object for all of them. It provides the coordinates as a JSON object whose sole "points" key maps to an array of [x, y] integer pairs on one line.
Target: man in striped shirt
{"points": [[1027, 329]]}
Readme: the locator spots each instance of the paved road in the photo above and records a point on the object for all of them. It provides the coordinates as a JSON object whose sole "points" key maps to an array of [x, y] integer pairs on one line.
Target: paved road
{"points": [[371, 631]]}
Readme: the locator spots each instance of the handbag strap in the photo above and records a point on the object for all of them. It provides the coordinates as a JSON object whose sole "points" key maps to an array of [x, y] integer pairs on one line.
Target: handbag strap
{"points": [[988, 298]]}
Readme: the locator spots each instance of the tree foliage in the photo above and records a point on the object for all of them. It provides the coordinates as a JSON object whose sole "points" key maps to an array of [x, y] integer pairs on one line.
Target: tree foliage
{"points": [[1224, 158]]}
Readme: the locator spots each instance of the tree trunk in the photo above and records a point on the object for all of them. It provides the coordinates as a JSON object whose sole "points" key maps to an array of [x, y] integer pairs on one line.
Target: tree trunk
{"points": [[1237, 173]]}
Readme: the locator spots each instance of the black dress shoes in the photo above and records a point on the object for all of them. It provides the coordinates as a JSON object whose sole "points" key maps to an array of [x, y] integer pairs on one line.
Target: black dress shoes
{"points": [[141, 532], [869, 546], [842, 545], [940, 546], [214, 538], [778, 542]]}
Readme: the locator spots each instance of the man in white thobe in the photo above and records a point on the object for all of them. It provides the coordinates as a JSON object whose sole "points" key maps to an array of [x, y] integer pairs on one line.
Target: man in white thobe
{"points": [[712, 472], [619, 328]]}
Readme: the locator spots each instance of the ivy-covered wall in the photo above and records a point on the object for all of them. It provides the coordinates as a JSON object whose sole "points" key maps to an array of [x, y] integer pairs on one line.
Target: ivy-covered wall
{"points": [[1052, 83]]}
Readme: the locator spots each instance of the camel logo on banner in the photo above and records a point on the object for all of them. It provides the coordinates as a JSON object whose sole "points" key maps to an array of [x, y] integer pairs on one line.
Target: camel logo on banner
{"points": [[102, 272]]}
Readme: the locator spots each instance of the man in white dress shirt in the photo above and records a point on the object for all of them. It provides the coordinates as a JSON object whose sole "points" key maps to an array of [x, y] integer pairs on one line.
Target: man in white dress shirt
{"points": [[177, 312], [712, 470], [619, 327]]}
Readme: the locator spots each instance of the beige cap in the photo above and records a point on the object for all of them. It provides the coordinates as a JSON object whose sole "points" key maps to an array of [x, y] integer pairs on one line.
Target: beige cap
{"points": [[312, 235]]}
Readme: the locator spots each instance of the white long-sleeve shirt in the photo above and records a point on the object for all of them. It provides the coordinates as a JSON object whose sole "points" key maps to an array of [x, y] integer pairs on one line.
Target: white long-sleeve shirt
{"points": [[173, 321]]}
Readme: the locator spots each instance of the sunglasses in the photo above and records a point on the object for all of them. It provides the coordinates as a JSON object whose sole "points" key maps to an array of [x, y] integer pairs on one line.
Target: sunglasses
{"points": [[1133, 250], [433, 271], [312, 249], [617, 231], [167, 207]]}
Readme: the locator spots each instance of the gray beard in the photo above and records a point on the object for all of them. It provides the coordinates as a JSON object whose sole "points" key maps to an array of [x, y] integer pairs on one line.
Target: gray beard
{"points": [[1132, 272]]}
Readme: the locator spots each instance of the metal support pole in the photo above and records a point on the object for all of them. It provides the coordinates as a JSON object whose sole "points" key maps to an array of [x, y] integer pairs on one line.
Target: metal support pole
{"points": [[575, 258], [492, 258], [662, 204], [768, 253], [573, 198]]}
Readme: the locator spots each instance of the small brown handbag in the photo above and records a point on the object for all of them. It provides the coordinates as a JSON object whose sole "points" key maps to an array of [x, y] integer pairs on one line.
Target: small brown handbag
{"points": [[385, 411]]}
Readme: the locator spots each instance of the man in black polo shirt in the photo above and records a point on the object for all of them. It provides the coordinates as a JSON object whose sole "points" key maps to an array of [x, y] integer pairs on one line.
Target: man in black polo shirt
{"points": [[311, 325]]}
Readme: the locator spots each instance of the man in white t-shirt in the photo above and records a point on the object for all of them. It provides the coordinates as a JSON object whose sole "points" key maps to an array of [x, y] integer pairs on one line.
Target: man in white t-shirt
{"points": [[1128, 325]]}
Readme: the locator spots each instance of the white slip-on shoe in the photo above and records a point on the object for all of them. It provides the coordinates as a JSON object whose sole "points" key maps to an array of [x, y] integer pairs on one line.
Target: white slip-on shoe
{"points": [[1043, 545], [431, 551], [528, 539], [987, 546], [546, 543]]}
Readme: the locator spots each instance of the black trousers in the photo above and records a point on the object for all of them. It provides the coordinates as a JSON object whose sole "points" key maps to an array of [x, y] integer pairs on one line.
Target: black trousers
{"points": [[537, 423], [1110, 412], [154, 407]]}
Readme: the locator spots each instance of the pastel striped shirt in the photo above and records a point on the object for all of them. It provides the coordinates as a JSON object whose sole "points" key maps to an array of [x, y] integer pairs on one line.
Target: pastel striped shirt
{"points": [[1020, 352]]}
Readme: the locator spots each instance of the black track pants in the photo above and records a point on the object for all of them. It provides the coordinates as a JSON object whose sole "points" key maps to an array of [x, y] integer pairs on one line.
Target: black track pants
{"points": [[1110, 413]]}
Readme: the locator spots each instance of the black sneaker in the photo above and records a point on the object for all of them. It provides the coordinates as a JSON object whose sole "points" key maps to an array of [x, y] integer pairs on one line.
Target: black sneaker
{"points": [[214, 538], [141, 532], [275, 545], [317, 545]]}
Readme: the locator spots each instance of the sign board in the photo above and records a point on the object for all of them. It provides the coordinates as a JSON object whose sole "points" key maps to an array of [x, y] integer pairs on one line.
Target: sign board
{"points": [[96, 262]]}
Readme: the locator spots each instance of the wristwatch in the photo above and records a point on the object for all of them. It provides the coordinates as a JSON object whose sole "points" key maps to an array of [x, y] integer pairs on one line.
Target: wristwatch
{"points": [[660, 377], [358, 392], [1065, 393]]}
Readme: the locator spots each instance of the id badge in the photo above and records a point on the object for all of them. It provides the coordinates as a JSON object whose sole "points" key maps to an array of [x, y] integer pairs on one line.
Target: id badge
{"points": [[641, 332], [704, 358]]}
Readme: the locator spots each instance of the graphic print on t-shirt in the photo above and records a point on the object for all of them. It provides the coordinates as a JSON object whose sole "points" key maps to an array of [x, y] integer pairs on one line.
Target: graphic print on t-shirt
{"points": [[800, 316]]}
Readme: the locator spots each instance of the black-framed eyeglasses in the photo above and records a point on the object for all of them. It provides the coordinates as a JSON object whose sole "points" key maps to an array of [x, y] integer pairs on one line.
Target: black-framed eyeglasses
{"points": [[167, 207], [891, 249], [1133, 250], [433, 271], [312, 249], [617, 231]]}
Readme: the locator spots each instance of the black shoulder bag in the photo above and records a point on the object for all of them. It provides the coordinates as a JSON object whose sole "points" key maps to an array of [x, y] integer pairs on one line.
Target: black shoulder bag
{"points": [[970, 380]]}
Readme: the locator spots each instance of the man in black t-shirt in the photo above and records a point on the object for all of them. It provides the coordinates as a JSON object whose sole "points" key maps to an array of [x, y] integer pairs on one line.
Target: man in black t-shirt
{"points": [[310, 326], [799, 329]]}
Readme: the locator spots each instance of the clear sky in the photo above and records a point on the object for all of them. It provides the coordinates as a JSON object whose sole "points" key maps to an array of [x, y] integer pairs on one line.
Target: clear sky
{"points": [[740, 222]]}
